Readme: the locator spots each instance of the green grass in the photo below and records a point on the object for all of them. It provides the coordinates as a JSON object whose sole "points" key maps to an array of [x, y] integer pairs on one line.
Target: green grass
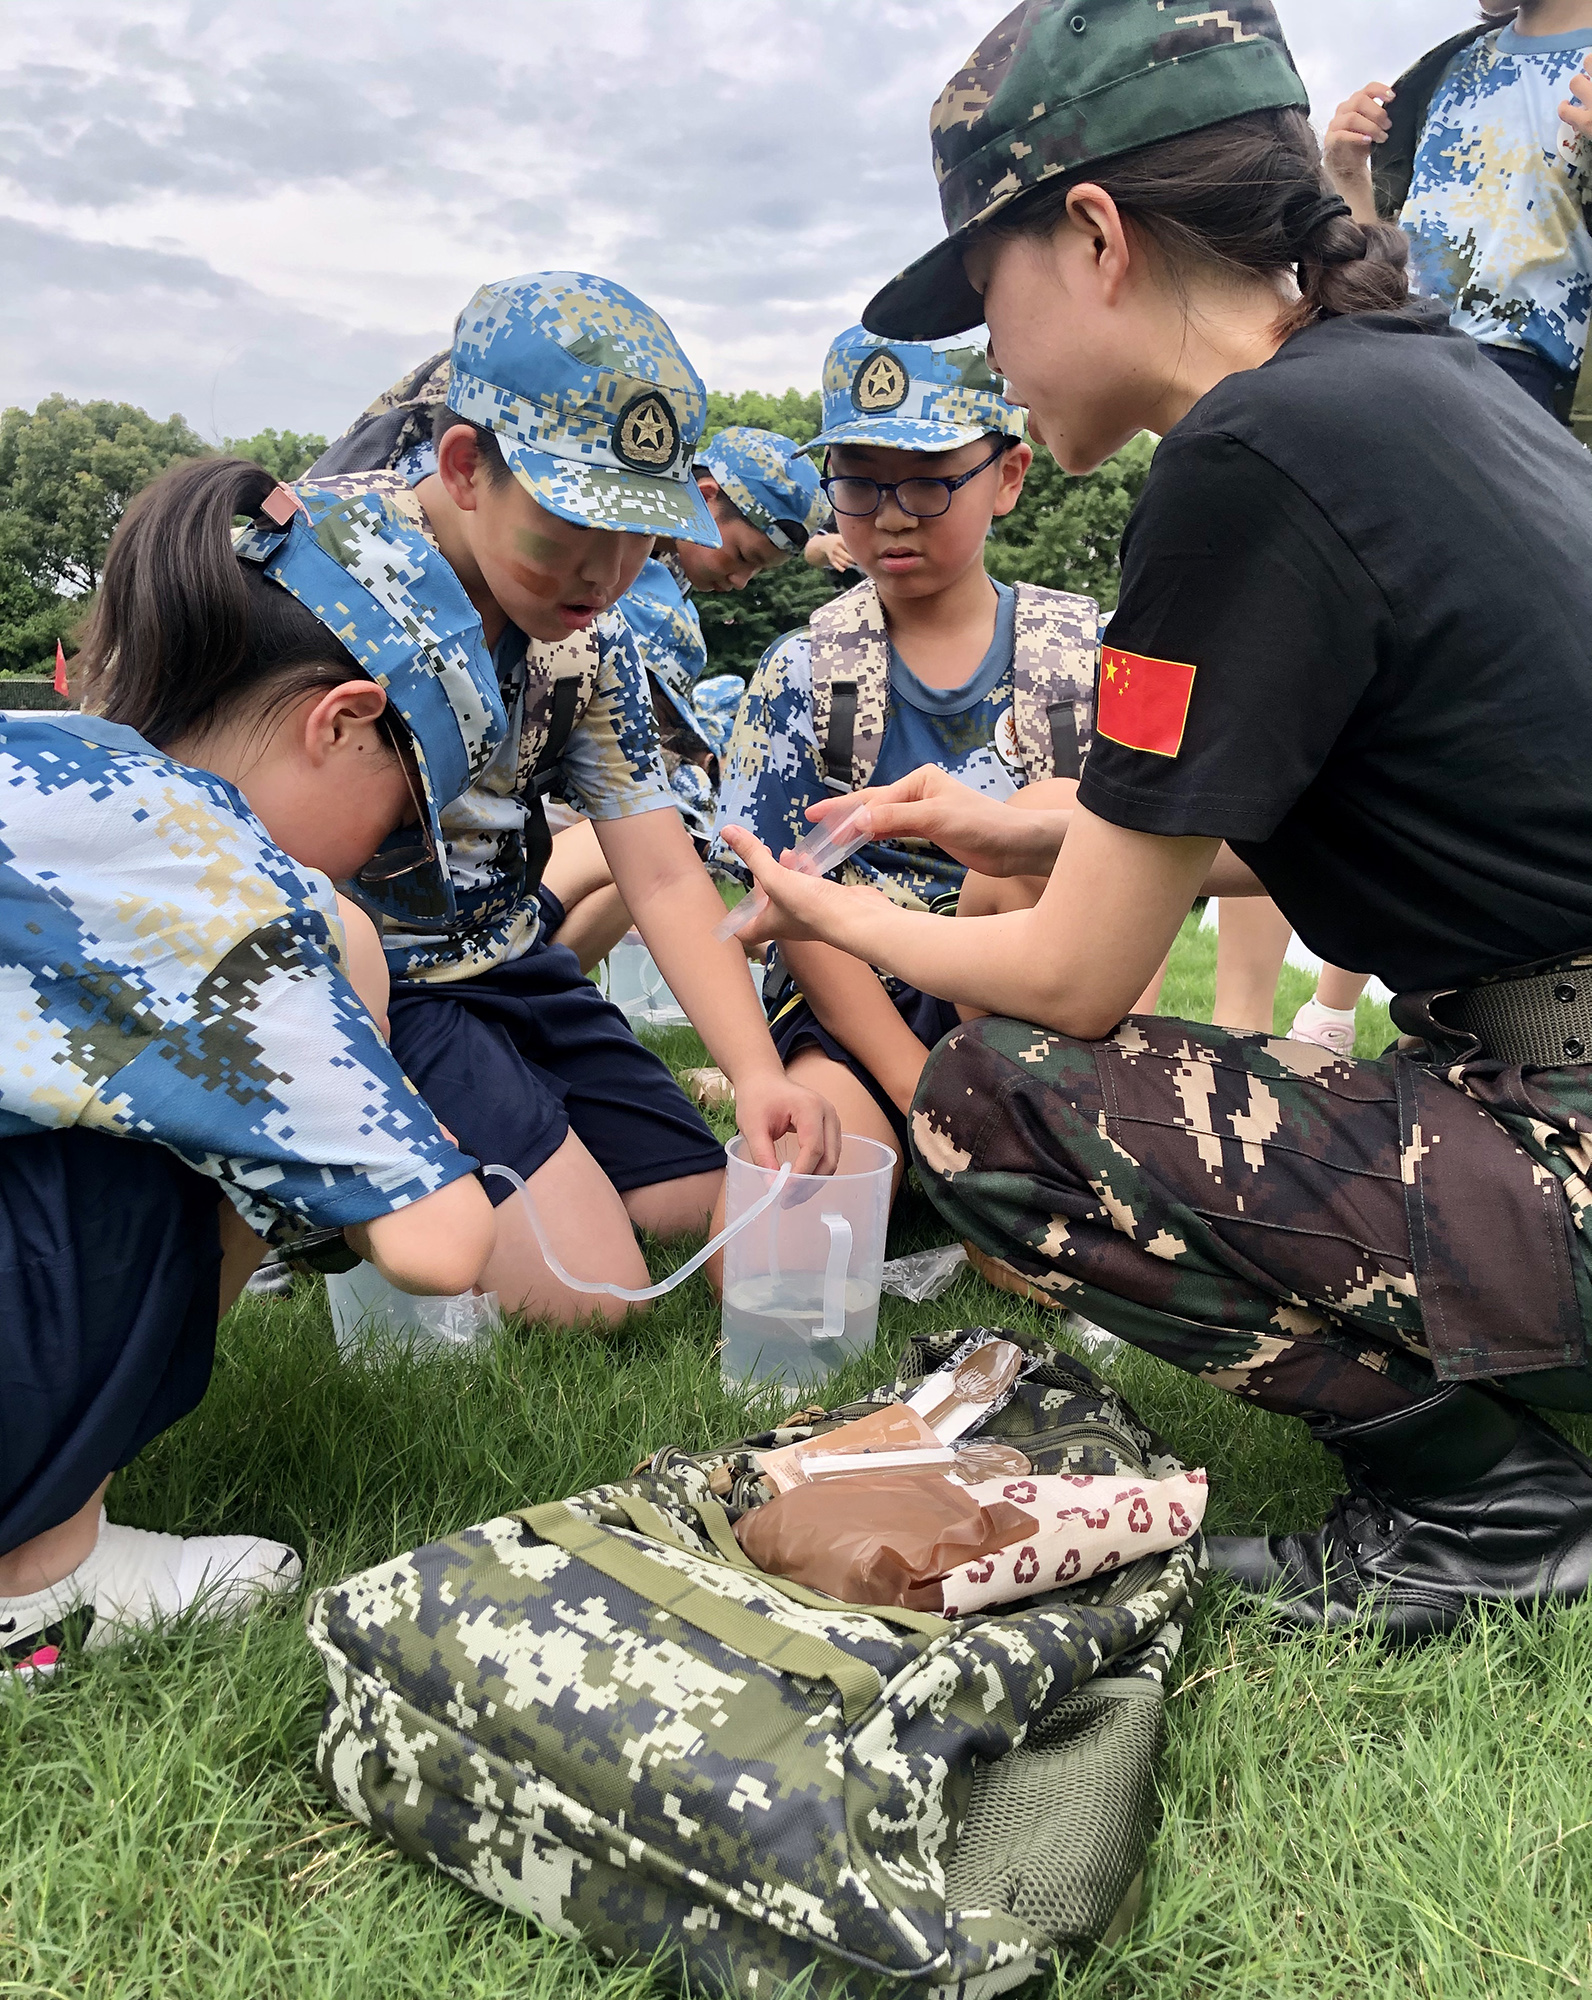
{"points": [[1335, 1819]]}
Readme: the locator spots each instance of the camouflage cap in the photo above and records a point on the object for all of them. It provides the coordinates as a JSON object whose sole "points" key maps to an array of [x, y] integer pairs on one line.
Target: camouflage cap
{"points": [[1060, 85], [595, 405], [917, 395], [762, 475], [395, 604], [668, 635]]}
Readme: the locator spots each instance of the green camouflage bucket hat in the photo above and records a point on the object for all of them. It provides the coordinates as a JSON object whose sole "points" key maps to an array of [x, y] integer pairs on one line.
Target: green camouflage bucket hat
{"points": [[1059, 85], [595, 406]]}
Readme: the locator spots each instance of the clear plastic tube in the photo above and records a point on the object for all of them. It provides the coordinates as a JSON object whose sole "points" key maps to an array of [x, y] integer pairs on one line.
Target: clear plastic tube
{"points": [[820, 851], [633, 1297]]}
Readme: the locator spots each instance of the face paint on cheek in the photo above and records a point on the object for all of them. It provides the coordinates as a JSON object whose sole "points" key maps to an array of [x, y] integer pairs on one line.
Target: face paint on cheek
{"points": [[546, 557]]}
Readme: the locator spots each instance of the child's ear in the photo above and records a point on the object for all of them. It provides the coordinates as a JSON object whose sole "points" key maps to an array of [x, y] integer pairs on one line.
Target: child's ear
{"points": [[1013, 470], [459, 466]]}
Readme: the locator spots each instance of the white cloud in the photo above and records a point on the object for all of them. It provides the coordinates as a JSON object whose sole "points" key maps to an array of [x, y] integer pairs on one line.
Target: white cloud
{"points": [[259, 216]]}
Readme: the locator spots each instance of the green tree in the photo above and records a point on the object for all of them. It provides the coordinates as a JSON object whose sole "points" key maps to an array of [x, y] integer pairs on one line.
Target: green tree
{"points": [[286, 454], [795, 415], [740, 626], [1064, 532], [67, 472]]}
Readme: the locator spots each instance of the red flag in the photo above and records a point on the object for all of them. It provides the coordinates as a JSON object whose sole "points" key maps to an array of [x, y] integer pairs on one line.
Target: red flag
{"points": [[61, 687], [1143, 702]]}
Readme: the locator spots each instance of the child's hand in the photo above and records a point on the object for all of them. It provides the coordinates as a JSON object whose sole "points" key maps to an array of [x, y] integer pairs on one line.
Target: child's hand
{"points": [[830, 550], [769, 1104], [1359, 123], [1576, 110]]}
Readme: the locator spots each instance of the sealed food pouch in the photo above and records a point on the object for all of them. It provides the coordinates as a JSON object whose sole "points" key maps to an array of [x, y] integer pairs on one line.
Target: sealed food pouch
{"points": [[878, 1537]]}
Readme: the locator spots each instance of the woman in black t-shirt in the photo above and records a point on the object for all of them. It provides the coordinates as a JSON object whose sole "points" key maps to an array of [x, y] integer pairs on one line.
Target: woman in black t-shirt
{"points": [[1349, 664]]}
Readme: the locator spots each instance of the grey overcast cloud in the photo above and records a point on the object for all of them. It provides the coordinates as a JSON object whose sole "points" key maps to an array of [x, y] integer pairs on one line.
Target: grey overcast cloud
{"points": [[261, 215]]}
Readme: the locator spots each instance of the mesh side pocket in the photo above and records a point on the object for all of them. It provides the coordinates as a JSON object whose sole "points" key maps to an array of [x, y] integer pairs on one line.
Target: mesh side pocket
{"points": [[1055, 1831]]}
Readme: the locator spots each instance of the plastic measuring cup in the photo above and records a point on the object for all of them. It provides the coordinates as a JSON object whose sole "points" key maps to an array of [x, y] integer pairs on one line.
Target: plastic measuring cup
{"points": [[801, 1274], [816, 854]]}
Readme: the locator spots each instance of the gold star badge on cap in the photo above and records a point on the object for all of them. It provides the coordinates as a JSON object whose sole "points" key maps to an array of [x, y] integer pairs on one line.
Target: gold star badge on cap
{"points": [[646, 435], [880, 384]]}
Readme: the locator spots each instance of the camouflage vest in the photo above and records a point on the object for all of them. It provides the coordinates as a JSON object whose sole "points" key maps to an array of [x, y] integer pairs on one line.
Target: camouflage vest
{"points": [[600, 1714], [1056, 652]]}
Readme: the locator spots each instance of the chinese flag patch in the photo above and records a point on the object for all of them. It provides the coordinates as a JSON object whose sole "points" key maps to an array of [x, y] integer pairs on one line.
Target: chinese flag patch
{"points": [[1143, 702]]}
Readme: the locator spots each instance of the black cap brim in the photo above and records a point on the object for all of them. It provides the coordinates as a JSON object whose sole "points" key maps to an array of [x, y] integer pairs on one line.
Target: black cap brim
{"points": [[929, 299]]}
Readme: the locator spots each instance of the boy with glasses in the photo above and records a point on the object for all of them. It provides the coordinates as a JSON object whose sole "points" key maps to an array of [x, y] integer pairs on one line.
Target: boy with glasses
{"points": [[927, 661]]}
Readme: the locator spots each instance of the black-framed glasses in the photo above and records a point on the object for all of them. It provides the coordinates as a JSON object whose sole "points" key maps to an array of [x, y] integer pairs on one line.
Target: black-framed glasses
{"points": [[924, 499], [398, 857]]}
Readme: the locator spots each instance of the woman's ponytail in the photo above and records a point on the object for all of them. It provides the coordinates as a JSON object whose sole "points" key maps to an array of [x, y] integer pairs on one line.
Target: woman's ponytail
{"points": [[1345, 266], [183, 629]]}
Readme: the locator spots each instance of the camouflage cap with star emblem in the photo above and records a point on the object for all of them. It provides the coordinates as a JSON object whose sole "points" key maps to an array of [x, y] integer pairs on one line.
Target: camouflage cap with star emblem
{"points": [[916, 395], [595, 406], [1060, 85]]}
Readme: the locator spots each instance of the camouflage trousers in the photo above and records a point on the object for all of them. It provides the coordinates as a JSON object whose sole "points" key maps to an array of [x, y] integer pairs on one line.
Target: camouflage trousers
{"points": [[1233, 1203]]}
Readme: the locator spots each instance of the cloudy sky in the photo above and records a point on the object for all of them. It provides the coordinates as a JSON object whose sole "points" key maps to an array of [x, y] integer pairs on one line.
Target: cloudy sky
{"points": [[261, 215]]}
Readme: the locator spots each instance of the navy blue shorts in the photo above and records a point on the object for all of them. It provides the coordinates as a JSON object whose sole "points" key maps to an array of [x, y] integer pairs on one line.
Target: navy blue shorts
{"points": [[794, 1026], [1536, 374], [515, 1059], [110, 1265]]}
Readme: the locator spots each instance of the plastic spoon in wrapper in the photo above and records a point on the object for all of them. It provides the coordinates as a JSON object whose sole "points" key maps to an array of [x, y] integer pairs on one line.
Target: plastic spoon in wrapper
{"points": [[825, 848], [636, 1297], [951, 1402]]}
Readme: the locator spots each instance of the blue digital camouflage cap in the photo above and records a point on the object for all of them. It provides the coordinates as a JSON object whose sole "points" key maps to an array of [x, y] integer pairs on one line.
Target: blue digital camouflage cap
{"points": [[918, 395], [594, 403], [668, 635], [396, 605], [763, 476]]}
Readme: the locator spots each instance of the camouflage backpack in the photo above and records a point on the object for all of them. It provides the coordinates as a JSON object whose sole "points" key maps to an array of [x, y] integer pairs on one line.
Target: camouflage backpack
{"points": [[1055, 653], [599, 1714]]}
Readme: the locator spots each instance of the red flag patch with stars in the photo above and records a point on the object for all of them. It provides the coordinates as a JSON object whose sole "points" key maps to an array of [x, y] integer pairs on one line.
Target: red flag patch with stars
{"points": [[1143, 702]]}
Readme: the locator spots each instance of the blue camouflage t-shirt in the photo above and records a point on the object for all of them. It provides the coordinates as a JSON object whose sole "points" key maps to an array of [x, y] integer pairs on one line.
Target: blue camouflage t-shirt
{"points": [[168, 974], [773, 770], [1496, 214]]}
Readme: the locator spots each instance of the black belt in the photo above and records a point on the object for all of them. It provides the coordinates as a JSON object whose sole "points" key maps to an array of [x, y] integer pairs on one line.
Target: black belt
{"points": [[1539, 1016]]}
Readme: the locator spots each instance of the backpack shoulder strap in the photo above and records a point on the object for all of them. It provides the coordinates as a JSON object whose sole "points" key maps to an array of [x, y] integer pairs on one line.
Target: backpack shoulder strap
{"points": [[851, 685], [1056, 648], [1393, 162]]}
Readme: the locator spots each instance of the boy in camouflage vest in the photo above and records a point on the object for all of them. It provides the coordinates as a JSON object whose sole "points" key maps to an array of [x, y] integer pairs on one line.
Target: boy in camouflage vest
{"points": [[928, 661], [563, 446]]}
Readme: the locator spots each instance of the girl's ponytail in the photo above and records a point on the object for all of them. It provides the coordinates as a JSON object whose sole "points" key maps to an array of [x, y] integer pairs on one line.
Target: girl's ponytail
{"points": [[182, 629]]}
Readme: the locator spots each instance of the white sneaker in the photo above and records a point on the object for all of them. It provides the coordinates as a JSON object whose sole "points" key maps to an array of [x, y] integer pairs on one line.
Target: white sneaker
{"points": [[1325, 1026], [132, 1580]]}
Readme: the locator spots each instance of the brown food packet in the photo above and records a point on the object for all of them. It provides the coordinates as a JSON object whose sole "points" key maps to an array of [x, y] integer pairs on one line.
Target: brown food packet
{"points": [[878, 1537]]}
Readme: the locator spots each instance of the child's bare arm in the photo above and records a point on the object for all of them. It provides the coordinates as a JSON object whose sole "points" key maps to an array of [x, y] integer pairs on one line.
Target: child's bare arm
{"points": [[846, 996], [1359, 125], [367, 964]]}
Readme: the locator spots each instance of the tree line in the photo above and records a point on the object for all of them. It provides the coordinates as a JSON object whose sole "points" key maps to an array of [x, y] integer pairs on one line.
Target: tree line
{"points": [[68, 470]]}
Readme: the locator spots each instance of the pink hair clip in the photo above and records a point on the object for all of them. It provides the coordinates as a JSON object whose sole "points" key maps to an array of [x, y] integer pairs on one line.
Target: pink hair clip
{"points": [[280, 505]]}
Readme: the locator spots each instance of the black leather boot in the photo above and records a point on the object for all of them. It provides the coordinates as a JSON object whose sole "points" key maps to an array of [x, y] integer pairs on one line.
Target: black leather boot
{"points": [[1463, 1498]]}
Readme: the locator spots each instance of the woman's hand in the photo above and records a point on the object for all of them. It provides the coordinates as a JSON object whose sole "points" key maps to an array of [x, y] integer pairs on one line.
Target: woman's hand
{"points": [[982, 833], [768, 1104], [1358, 124], [799, 905]]}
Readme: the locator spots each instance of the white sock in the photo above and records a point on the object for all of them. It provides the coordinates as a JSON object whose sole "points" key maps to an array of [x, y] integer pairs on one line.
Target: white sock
{"points": [[1321, 1012]]}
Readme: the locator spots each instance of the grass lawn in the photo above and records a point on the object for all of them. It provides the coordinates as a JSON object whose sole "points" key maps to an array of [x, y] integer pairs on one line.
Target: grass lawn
{"points": [[1335, 1819]]}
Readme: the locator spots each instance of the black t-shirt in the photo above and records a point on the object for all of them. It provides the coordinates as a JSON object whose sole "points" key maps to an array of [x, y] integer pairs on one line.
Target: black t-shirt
{"points": [[1376, 554]]}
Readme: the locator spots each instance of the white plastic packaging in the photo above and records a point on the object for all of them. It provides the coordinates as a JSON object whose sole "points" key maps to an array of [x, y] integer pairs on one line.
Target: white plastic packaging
{"points": [[366, 1308]]}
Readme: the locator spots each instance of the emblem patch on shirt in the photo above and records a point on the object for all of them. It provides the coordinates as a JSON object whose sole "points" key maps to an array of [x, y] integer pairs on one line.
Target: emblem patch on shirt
{"points": [[646, 435], [1143, 703], [880, 384]]}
